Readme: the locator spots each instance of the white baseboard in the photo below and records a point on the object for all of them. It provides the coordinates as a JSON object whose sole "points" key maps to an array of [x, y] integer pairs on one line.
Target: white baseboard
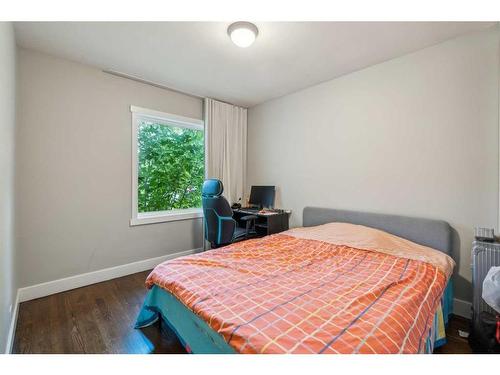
{"points": [[13, 324], [84, 279], [462, 308]]}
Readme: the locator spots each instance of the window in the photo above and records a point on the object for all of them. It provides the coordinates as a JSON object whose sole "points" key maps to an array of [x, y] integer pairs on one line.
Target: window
{"points": [[168, 166]]}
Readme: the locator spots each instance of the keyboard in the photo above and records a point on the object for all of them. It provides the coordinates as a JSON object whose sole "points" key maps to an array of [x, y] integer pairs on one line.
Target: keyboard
{"points": [[250, 209]]}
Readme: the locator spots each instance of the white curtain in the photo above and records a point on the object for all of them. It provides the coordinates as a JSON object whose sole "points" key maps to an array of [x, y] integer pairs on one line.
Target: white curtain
{"points": [[226, 147]]}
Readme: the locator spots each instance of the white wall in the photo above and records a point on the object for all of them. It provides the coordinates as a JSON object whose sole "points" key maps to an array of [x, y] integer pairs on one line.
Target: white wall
{"points": [[7, 122], [73, 179], [417, 136]]}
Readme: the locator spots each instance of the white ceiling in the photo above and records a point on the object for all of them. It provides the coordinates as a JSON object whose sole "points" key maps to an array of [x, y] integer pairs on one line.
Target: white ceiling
{"points": [[199, 58]]}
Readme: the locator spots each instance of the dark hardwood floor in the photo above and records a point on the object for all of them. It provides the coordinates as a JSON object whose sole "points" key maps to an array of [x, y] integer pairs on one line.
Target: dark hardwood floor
{"points": [[456, 344], [100, 318], [95, 319]]}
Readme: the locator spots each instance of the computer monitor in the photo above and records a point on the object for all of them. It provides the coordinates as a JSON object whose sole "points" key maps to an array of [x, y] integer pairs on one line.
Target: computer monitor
{"points": [[262, 196]]}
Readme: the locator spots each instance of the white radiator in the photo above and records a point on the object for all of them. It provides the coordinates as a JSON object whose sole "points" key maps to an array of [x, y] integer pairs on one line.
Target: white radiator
{"points": [[484, 256]]}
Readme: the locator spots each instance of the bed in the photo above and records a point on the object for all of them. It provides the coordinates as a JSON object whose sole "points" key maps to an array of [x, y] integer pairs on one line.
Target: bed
{"points": [[346, 282]]}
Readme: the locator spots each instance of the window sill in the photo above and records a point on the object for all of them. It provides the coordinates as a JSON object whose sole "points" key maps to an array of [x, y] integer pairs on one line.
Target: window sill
{"points": [[166, 216]]}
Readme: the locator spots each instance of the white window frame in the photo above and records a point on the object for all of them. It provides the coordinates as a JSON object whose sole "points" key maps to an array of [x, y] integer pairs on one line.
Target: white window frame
{"points": [[138, 218]]}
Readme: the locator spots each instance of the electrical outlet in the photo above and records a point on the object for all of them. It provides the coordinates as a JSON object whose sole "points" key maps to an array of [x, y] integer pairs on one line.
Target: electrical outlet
{"points": [[463, 334]]}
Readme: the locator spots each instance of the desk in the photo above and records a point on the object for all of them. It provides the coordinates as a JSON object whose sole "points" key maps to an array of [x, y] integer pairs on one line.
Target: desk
{"points": [[265, 224]]}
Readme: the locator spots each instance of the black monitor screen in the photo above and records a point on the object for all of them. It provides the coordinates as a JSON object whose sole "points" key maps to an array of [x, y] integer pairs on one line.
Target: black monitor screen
{"points": [[262, 196]]}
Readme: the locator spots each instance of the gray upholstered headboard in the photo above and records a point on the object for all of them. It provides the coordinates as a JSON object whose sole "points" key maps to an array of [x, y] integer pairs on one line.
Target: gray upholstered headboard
{"points": [[432, 233]]}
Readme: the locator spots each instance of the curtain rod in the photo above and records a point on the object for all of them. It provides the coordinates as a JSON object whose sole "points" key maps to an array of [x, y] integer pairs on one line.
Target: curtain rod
{"points": [[151, 83], [159, 85]]}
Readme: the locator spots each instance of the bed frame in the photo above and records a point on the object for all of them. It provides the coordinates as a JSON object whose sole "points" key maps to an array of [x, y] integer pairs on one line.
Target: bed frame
{"points": [[428, 232]]}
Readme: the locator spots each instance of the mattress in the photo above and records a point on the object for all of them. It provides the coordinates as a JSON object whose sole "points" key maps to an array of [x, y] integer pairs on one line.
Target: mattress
{"points": [[337, 288]]}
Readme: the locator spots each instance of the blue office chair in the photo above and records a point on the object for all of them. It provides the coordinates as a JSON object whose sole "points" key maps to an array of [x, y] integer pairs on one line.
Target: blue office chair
{"points": [[220, 227]]}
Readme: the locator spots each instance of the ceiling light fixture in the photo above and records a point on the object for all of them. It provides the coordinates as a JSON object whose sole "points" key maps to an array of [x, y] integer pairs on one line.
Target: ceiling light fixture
{"points": [[242, 33]]}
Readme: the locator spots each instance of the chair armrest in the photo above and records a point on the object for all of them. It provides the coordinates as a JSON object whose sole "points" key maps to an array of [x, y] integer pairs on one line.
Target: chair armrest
{"points": [[248, 217], [249, 222]]}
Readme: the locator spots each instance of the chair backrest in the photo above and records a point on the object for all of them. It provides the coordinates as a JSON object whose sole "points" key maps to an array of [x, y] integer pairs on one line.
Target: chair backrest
{"points": [[219, 228]]}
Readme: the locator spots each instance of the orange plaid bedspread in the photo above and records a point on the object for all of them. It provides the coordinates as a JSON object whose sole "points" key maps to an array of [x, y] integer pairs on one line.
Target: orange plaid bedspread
{"points": [[282, 294]]}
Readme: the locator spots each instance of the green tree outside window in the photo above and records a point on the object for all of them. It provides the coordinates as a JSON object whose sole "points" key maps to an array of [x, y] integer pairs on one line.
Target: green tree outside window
{"points": [[171, 167]]}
